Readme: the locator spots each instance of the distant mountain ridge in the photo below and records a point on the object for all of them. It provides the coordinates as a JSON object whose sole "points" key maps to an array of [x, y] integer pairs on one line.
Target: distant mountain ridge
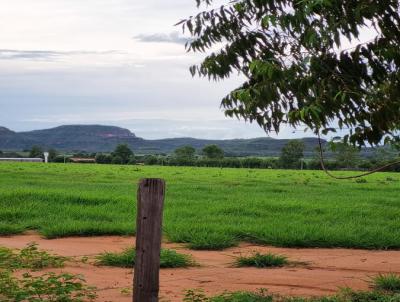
{"points": [[100, 138]]}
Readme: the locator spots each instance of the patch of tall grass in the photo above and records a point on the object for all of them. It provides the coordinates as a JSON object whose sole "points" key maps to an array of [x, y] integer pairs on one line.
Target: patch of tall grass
{"points": [[261, 260], [387, 282], [168, 259]]}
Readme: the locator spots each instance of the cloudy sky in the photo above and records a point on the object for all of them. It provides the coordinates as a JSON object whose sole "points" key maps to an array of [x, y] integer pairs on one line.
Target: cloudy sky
{"points": [[115, 62]]}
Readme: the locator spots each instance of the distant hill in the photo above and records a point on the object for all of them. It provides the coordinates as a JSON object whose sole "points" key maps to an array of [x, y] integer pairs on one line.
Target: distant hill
{"points": [[99, 138]]}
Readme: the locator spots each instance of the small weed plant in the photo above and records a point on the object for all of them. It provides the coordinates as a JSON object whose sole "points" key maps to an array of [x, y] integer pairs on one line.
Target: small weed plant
{"points": [[195, 296], [30, 257], [361, 181], [49, 287], [127, 291]]}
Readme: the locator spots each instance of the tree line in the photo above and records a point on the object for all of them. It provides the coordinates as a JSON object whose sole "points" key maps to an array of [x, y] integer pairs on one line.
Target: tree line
{"points": [[340, 156]]}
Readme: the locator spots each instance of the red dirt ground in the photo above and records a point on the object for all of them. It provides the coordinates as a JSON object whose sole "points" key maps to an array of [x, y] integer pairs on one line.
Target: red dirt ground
{"points": [[326, 272]]}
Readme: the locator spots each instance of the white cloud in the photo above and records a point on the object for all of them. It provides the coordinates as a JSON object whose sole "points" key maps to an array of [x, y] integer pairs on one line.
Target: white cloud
{"points": [[46, 55], [174, 37]]}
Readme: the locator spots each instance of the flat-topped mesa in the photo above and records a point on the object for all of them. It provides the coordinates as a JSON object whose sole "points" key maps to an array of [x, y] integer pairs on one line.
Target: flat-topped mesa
{"points": [[83, 130]]}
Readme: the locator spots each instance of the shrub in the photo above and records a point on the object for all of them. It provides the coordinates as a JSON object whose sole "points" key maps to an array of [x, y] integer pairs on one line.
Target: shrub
{"points": [[150, 160], [117, 160], [103, 158], [29, 257], [60, 159], [132, 160], [36, 151], [365, 164], [252, 162]]}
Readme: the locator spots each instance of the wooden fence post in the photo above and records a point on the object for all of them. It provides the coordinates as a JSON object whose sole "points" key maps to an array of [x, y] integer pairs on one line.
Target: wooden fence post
{"points": [[150, 201]]}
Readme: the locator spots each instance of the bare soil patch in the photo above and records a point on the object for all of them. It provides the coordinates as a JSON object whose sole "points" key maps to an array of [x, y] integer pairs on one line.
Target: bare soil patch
{"points": [[325, 272]]}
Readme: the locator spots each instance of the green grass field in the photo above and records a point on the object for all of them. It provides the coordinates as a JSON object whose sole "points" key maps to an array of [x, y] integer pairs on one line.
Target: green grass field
{"points": [[208, 208]]}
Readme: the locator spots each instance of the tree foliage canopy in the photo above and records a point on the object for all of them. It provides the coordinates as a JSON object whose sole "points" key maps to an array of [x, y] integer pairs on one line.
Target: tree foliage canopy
{"points": [[346, 156], [36, 152], [122, 154], [298, 69], [213, 152], [185, 153], [291, 154], [52, 155]]}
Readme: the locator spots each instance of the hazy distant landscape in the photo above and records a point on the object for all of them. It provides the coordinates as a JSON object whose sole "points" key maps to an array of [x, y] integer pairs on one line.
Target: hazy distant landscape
{"points": [[99, 138]]}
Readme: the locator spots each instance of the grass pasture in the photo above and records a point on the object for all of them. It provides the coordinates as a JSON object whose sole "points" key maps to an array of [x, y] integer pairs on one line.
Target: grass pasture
{"points": [[207, 208]]}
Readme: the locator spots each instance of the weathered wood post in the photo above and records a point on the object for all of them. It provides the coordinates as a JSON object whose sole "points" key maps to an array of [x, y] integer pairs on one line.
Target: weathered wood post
{"points": [[150, 202]]}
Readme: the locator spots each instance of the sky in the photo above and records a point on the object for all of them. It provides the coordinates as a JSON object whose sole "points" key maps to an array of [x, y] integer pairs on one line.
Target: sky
{"points": [[112, 62]]}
